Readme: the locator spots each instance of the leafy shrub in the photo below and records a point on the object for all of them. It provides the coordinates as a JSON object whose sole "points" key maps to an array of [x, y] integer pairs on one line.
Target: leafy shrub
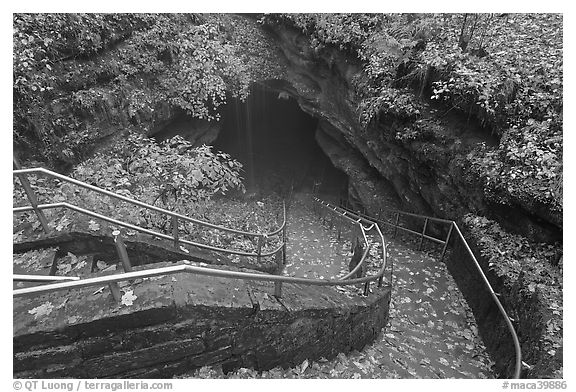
{"points": [[391, 102], [173, 174], [78, 72], [511, 255], [505, 70], [532, 283], [527, 166]]}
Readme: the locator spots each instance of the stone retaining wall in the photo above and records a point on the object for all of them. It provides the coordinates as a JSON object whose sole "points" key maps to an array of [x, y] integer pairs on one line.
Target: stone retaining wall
{"points": [[181, 322], [529, 312]]}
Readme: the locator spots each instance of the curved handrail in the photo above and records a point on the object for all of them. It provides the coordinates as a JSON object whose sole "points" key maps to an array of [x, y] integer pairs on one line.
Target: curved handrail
{"points": [[140, 229], [356, 219], [518, 365], [222, 273], [142, 204], [210, 272], [454, 225], [430, 218]]}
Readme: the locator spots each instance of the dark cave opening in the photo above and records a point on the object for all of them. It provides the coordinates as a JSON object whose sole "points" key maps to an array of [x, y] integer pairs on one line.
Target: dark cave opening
{"points": [[275, 141]]}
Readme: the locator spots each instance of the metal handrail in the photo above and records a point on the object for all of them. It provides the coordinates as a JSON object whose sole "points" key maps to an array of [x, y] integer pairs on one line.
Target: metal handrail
{"points": [[222, 273], [42, 278], [518, 365], [140, 229], [142, 204], [357, 219], [454, 225], [395, 225], [432, 218], [210, 272]]}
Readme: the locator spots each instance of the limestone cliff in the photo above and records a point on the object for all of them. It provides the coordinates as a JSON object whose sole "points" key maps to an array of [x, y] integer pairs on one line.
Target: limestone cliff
{"points": [[425, 174]]}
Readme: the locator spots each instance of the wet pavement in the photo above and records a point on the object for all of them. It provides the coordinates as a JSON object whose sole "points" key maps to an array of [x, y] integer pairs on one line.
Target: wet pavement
{"points": [[431, 333]]}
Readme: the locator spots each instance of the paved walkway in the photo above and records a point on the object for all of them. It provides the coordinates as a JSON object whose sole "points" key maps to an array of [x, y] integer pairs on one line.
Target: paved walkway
{"points": [[432, 332], [312, 250]]}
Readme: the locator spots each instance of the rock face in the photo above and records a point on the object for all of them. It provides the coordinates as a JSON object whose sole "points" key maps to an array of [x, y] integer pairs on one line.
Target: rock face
{"points": [[424, 174]]}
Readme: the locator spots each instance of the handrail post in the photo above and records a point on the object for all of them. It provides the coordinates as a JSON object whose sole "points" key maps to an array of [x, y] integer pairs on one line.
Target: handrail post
{"points": [[259, 247], [366, 288], [396, 223], [31, 196], [280, 267], [175, 231], [284, 244], [121, 249], [447, 240], [115, 290], [423, 233]]}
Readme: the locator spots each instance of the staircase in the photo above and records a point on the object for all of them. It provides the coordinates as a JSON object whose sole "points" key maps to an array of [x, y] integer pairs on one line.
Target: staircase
{"points": [[431, 333]]}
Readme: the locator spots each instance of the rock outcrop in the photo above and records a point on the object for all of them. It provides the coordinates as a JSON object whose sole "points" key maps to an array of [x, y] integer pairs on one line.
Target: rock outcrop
{"points": [[427, 174]]}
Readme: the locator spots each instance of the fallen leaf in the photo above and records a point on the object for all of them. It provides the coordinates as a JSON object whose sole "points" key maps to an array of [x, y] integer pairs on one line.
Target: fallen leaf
{"points": [[73, 319], [128, 298], [17, 237], [64, 222], [304, 366], [43, 310], [73, 258], [94, 226], [101, 264]]}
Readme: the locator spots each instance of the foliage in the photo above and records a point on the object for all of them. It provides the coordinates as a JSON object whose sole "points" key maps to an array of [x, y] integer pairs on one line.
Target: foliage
{"points": [[519, 78], [172, 174], [393, 102], [42, 43], [77, 77], [34, 260], [511, 255], [190, 65], [505, 70], [128, 298], [42, 310], [527, 167], [533, 270], [346, 31]]}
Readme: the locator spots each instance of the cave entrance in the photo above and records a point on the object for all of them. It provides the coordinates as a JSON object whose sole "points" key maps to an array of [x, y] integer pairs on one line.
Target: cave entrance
{"points": [[274, 139]]}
